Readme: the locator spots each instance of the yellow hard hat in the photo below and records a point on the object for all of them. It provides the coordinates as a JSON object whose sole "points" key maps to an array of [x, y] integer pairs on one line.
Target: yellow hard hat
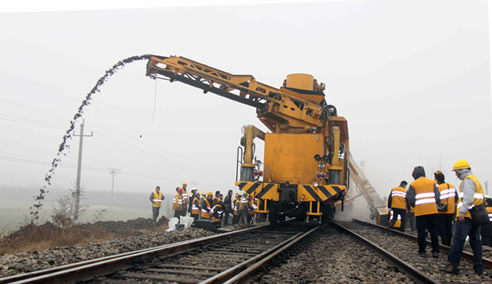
{"points": [[210, 194], [461, 164], [438, 172], [204, 192], [184, 182]]}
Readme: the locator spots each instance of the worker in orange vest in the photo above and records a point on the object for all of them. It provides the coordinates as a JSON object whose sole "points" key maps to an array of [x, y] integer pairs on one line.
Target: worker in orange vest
{"points": [[446, 208], [206, 206], [424, 195], [195, 205], [397, 201]]}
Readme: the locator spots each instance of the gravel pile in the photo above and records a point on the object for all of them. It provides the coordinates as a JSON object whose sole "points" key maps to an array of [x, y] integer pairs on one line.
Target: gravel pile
{"points": [[407, 250], [11, 264], [333, 257]]}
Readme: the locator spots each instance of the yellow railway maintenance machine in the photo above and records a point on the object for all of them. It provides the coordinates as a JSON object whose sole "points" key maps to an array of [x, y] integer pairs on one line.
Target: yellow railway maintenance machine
{"points": [[306, 154]]}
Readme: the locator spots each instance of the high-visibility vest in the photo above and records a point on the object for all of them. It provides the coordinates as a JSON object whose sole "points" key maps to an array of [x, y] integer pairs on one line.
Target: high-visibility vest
{"points": [[477, 197], [252, 207], [205, 214], [398, 198], [195, 206], [243, 203], [425, 198], [489, 210], [178, 202], [185, 196], [217, 209], [235, 206], [157, 199], [448, 194]]}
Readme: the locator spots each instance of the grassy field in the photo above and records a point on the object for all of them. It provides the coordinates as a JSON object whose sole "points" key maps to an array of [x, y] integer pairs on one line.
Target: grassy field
{"points": [[14, 207]]}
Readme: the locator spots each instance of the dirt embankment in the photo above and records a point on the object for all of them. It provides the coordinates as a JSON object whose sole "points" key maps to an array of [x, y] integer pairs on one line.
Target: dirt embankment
{"points": [[46, 236]]}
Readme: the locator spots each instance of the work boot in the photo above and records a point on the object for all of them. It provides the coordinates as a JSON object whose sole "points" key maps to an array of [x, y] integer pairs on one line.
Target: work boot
{"points": [[451, 269], [435, 254], [422, 253]]}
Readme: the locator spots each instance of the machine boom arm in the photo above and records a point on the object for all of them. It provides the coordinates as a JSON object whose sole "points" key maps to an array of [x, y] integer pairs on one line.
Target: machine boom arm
{"points": [[281, 110]]}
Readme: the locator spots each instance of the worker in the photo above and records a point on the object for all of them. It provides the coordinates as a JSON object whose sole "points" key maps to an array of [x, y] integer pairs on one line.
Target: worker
{"points": [[251, 209], [227, 206], [243, 209], [190, 199], [185, 198], [178, 204], [216, 197], [486, 230], [156, 198], [446, 208], [217, 210], [424, 195], [470, 195], [397, 201], [235, 209], [206, 205], [195, 205]]}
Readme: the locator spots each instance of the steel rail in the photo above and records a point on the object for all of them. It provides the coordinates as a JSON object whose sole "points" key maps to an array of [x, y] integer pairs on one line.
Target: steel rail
{"points": [[487, 262], [101, 266], [413, 273], [254, 265]]}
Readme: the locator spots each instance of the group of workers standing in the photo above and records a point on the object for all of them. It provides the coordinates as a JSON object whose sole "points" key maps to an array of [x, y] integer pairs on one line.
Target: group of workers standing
{"points": [[206, 205], [436, 204]]}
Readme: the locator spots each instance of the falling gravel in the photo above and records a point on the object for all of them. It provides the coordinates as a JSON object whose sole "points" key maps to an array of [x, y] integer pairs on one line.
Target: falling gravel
{"points": [[38, 199]]}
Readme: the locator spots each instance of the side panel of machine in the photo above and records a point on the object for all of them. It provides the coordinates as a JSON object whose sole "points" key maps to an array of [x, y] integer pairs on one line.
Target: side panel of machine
{"points": [[290, 157]]}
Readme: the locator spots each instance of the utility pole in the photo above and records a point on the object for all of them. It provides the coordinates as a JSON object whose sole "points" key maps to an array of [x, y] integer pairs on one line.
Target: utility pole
{"points": [[113, 172], [79, 169]]}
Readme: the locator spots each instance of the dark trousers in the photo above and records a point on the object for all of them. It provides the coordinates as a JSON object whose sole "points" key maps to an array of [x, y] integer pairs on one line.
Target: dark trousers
{"points": [[226, 215], [461, 231], [411, 219], [177, 214], [195, 216], [445, 228], [235, 219], [155, 213], [486, 233], [398, 212], [429, 223], [243, 216]]}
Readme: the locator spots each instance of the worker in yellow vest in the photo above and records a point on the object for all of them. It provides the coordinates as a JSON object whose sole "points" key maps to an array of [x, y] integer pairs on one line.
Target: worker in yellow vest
{"points": [[397, 201], [178, 204], [446, 208], [470, 195], [156, 199], [235, 209], [185, 196], [424, 195]]}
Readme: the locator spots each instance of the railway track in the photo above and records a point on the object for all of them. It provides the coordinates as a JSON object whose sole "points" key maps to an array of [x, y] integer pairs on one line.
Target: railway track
{"points": [[223, 258], [404, 247]]}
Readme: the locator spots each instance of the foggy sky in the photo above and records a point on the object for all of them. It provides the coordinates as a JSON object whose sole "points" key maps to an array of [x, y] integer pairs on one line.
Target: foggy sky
{"points": [[411, 77]]}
